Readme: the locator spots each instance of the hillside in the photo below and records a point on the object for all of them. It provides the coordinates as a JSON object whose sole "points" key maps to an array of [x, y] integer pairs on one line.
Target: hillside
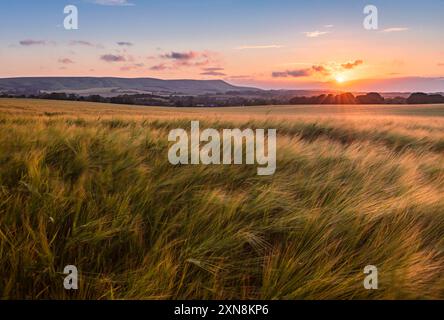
{"points": [[114, 86]]}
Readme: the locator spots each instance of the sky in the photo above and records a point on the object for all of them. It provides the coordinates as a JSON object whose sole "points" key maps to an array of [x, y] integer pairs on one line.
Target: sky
{"points": [[263, 43]]}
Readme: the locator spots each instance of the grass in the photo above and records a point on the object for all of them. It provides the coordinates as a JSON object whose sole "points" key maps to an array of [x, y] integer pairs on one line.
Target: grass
{"points": [[90, 185]]}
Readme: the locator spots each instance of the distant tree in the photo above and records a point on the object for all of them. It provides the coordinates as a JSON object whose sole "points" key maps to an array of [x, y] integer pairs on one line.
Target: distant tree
{"points": [[329, 99], [417, 97], [56, 96], [370, 98], [436, 98], [424, 98], [299, 100], [94, 98], [345, 98], [395, 100]]}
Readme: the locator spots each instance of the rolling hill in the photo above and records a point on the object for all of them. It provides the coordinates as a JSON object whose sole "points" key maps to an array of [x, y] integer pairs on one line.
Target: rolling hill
{"points": [[115, 86]]}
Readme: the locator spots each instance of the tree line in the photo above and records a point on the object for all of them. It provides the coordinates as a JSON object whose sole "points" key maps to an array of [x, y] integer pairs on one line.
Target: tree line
{"points": [[223, 100], [369, 98]]}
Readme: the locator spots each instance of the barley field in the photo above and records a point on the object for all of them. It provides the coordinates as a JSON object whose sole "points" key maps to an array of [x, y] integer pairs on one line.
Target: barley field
{"points": [[90, 185]]}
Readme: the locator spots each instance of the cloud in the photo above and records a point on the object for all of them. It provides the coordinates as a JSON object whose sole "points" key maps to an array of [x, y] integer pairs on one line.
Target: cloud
{"points": [[30, 42], [440, 64], [112, 58], [242, 76], [395, 29], [188, 58], [124, 43], [84, 43], [351, 65], [66, 61], [214, 69], [113, 2], [269, 46], [292, 73], [81, 42], [181, 55], [298, 73], [213, 72], [159, 67], [328, 26], [315, 34], [317, 69], [320, 69]]}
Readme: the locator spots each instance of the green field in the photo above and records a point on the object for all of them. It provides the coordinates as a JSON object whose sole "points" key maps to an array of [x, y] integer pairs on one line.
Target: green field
{"points": [[90, 185]]}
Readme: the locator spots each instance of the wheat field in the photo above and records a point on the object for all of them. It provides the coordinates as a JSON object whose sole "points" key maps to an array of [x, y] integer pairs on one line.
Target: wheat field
{"points": [[90, 185]]}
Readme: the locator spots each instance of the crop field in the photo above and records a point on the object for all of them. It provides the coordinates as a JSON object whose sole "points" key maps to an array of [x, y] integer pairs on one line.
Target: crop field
{"points": [[90, 185]]}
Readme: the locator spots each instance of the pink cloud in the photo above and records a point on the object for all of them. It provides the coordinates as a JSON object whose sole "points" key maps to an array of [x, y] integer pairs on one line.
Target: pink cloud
{"points": [[112, 58]]}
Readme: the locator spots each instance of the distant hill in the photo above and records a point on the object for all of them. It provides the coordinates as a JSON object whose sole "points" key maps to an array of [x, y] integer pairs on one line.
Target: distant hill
{"points": [[115, 86]]}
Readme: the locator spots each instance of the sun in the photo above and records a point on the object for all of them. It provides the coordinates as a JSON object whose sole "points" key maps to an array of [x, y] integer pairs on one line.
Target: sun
{"points": [[340, 79]]}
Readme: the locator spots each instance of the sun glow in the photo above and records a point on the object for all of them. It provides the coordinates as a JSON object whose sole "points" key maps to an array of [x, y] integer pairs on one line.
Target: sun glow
{"points": [[339, 78]]}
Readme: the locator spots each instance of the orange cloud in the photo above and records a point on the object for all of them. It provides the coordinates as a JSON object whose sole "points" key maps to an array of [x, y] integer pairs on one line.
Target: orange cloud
{"points": [[301, 72], [351, 65]]}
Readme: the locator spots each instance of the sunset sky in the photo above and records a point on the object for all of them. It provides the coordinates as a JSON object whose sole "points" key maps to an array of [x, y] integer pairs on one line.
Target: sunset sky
{"points": [[268, 44]]}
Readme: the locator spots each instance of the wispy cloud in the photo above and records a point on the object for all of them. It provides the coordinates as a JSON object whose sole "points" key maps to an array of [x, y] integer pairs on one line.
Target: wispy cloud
{"points": [[241, 76], [395, 29], [85, 43], [31, 42], [315, 34], [295, 63], [180, 55], [112, 58], [65, 61], [351, 65], [324, 70], [113, 2], [189, 58], [213, 72], [320, 69], [214, 69], [301, 72], [328, 26], [124, 43], [159, 67], [292, 73], [269, 46], [81, 42]]}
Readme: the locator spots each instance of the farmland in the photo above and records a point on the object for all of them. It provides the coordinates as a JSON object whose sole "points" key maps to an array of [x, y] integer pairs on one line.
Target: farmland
{"points": [[90, 185]]}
